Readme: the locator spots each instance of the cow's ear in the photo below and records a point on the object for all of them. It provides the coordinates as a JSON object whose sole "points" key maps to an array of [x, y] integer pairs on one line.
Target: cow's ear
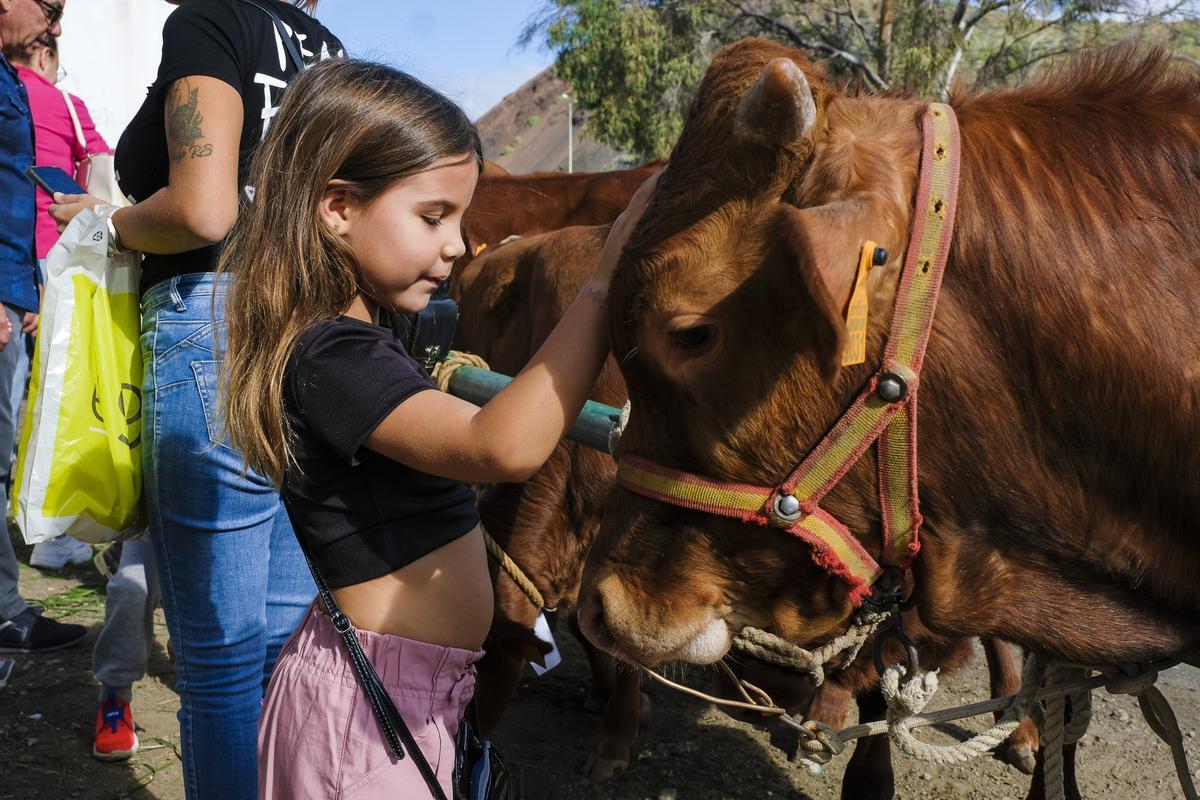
{"points": [[823, 245]]}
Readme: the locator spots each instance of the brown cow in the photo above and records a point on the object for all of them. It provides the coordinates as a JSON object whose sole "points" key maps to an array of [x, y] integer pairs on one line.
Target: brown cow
{"points": [[523, 205], [1060, 418], [511, 298]]}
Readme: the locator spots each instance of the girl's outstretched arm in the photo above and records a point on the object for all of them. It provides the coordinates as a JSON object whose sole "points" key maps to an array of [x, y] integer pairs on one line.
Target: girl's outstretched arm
{"points": [[510, 437]]}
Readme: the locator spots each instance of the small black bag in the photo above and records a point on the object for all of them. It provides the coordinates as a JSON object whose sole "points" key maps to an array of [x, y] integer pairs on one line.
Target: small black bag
{"points": [[479, 771], [427, 335]]}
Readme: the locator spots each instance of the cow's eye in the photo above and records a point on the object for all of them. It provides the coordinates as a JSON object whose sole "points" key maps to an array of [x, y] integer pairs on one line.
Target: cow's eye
{"points": [[695, 339]]}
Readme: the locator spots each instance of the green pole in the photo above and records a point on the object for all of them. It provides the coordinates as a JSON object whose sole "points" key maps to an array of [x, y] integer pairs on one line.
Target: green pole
{"points": [[592, 428]]}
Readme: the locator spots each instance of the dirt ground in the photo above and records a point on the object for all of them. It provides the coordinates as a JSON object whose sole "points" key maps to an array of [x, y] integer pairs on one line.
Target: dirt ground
{"points": [[687, 752]]}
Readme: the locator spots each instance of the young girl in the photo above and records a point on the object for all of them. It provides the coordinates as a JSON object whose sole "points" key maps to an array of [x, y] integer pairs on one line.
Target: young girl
{"points": [[360, 189]]}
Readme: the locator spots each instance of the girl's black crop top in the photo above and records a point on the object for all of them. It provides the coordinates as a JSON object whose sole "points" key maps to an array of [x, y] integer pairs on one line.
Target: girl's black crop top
{"points": [[359, 514]]}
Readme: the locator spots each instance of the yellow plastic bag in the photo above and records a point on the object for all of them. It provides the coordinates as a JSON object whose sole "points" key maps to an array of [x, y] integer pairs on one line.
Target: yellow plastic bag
{"points": [[79, 465]]}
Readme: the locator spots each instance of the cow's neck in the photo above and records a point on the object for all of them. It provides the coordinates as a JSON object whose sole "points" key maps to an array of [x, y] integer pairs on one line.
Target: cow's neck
{"points": [[1031, 534], [866, 161]]}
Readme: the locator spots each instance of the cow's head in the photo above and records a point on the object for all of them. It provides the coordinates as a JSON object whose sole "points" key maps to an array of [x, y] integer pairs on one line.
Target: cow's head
{"points": [[727, 320]]}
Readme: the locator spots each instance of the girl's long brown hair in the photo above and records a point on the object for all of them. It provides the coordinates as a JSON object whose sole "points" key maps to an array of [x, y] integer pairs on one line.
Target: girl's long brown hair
{"points": [[364, 125]]}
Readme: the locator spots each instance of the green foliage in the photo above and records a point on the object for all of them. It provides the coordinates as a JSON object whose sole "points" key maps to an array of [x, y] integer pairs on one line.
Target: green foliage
{"points": [[532, 121], [632, 64]]}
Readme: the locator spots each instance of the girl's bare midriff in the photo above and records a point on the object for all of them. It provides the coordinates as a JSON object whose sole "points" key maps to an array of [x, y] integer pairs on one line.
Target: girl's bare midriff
{"points": [[442, 598]]}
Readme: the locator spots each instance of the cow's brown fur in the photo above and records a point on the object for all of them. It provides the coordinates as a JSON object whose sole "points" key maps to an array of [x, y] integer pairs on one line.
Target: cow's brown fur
{"points": [[511, 299], [507, 205], [1060, 406]]}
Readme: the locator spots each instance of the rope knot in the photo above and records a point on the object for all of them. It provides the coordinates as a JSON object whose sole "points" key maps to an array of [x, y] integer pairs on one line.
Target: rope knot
{"points": [[819, 742], [443, 371], [909, 698]]}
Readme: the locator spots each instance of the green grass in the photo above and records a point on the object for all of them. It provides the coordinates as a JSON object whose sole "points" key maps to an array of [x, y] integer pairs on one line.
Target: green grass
{"points": [[77, 600], [532, 121]]}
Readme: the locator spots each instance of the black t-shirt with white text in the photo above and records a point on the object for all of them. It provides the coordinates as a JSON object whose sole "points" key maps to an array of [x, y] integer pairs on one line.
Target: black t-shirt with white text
{"points": [[233, 41]]}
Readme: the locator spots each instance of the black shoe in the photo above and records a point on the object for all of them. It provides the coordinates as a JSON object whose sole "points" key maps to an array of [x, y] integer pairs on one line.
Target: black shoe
{"points": [[30, 633]]}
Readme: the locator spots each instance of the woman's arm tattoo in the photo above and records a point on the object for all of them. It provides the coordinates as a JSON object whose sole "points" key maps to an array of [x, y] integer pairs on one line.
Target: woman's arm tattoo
{"points": [[593, 294], [183, 121]]}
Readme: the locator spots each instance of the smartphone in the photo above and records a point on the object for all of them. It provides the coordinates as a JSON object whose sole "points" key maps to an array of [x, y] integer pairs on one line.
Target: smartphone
{"points": [[53, 179]]}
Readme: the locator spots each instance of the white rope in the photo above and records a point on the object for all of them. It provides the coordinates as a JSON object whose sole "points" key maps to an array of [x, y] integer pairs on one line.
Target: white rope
{"points": [[907, 698], [770, 648]]}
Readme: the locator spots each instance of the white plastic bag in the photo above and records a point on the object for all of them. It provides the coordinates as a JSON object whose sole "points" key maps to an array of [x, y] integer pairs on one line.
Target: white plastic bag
{"points": [[79, 465]]}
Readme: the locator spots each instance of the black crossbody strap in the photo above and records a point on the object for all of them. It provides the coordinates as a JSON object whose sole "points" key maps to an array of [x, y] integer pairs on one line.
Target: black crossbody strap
{"points": [[290, 45], [389, 719]]}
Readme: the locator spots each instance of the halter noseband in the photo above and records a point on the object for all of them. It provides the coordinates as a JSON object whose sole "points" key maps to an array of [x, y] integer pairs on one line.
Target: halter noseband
{"points": [[884, 414]]}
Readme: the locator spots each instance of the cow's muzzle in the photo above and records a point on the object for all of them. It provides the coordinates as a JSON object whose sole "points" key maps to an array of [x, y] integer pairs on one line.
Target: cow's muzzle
{"points": [[613, 621]]}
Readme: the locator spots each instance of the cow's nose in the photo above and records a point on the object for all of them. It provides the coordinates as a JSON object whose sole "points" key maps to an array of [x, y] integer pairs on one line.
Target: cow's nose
{"points": [[592, 620]]}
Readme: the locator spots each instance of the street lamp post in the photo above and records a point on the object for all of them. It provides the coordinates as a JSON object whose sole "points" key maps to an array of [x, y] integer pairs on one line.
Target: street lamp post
{"points": [[570, 135]]}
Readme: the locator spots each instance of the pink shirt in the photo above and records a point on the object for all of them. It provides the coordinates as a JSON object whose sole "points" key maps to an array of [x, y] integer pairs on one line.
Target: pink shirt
{"points": [[55, 143]]}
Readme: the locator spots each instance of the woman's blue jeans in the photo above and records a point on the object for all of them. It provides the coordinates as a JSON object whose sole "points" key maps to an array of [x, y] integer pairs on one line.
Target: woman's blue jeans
{"points": [[234, 580]]}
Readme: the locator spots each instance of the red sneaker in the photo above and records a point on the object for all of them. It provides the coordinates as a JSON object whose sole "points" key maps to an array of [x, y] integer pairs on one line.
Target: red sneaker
{"points": [[115, 737]]}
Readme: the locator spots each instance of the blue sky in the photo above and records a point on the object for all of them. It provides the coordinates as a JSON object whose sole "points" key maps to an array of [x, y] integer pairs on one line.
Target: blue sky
{"points": [[464, 48]]}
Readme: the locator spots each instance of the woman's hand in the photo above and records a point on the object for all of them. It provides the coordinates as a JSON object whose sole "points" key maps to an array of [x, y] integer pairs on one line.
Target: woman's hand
{"points": [[67, 206], [6, 328], [621, 229]]}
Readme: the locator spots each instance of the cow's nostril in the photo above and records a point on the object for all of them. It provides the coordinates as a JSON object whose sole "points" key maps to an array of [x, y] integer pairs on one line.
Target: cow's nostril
{"points": [[592, 621]]}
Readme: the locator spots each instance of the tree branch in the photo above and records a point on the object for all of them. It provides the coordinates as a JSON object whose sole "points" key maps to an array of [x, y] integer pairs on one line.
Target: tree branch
{"points": [[983, 11], [960, 11], [1034, 60], [862, 29], [828, 49]]}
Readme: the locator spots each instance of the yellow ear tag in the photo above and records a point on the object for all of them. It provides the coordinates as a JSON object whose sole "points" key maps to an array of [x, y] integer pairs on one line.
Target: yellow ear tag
{"points": [[479, 249], [856, 310]]}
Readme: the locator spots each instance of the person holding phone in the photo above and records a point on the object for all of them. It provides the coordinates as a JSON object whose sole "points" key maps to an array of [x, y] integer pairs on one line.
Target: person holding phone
{"points": [[22, 22], [234, 582], [55, 146]]}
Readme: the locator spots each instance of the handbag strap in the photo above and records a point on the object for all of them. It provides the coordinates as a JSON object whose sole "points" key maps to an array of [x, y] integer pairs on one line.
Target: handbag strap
{"points": [[290, 45], [386, 714], [79, 137]]}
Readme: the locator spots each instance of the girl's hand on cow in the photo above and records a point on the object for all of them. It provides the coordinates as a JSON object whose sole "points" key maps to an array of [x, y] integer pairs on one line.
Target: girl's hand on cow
{"points": [[621, 229], [66, 206]]}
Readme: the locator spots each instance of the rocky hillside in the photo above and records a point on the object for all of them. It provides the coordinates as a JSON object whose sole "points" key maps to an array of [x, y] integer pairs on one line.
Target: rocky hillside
{"points": [[527, 131]]}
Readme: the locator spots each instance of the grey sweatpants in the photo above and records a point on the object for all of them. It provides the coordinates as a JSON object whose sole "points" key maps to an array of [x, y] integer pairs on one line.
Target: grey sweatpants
{"points": [[123, 646], [14, 363]]}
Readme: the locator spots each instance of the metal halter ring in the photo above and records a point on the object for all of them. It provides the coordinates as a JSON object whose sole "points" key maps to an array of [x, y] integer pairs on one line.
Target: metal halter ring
{"points": [[786, 507], [895, 631]]}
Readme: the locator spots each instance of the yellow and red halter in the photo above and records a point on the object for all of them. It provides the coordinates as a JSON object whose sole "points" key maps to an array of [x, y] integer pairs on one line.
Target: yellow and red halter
{"points": [[884, 414]]}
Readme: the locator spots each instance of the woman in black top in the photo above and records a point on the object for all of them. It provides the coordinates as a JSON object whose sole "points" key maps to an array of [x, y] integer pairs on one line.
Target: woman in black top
{"points": [[234, 583], [362, 184]]}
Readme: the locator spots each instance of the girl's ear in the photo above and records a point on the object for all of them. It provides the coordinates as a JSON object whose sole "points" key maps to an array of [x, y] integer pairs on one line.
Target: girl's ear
{"points": [[337, 209]]}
